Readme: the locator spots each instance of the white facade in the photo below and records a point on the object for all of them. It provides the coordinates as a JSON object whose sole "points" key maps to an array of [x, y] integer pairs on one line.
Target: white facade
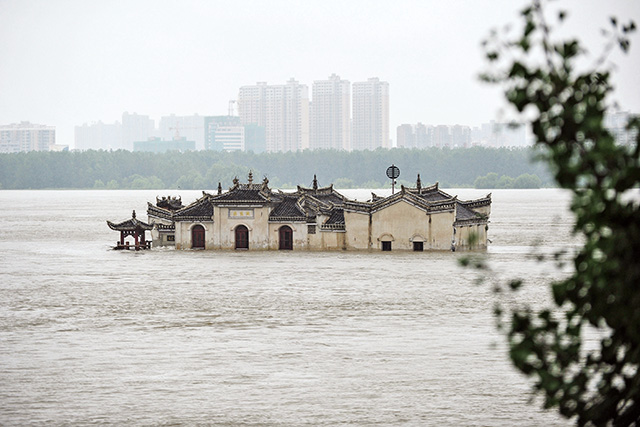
{"points": [[98, 136], [26, 136], [331, 114], [136, 127], [230, 137], [282, 109], [252, 104], [405, 136], [370, 115]]}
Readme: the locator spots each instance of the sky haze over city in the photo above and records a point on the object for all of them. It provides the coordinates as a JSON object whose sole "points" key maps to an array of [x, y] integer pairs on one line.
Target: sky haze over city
{"points": [[66, 63]]}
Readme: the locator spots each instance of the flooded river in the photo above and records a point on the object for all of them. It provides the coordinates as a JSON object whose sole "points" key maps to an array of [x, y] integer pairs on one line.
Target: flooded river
{"points": [[89, 335]]}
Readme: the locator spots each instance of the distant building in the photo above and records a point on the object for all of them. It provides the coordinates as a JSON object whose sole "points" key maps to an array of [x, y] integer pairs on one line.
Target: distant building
{"points": [[460, 136], [230, 138], [136, 127], [370, 115], [226, 133], [331, 114], [157, 145], [423, 135], [190, 127], [616, 123], [441, 136], [414, 136], [494, 134], [405, 137], [26, 136], [283, 110], [211, 124], [99, 136], [255, 139], [252, 104]]}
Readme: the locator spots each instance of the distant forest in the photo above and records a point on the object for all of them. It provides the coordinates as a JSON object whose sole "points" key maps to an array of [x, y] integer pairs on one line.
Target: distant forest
{"points": [[464, 167]]}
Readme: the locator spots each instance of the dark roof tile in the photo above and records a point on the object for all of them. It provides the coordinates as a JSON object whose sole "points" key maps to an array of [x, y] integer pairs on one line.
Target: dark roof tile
{"points": [[200, 210], [288, 208], [464, 214], [336, 217], [130, 224]]}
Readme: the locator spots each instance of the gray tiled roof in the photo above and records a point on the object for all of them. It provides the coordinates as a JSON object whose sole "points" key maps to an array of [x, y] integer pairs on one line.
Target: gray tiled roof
{"points": [[306, 203], [288, 208], [463, 213], [336, 217], [241, 195], [324, 194], [334, 198], [200, 210], [153, 210], [434, 196]]}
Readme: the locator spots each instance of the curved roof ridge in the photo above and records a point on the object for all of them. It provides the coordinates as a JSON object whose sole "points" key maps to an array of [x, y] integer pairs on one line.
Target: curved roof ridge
{"points": [[484, 199], [129, 224]]}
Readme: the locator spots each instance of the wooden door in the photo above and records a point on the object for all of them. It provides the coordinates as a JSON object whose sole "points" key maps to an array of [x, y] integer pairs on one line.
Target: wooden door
{"points": [[286, 238], [197, 237], [242, 237]]}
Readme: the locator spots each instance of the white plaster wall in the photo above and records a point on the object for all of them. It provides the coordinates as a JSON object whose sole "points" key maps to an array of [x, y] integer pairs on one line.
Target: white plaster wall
{"points": [[403, 221], [441, 230], [400, 220], [299, 235], [463, 234], [183, 234], [357, 230], [258, 228]]}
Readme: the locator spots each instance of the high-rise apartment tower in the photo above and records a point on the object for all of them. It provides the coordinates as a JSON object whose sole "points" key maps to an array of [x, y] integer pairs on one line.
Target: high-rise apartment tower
{"points": [[370, 115], [331, 114], [26, 136], [282, 109]]}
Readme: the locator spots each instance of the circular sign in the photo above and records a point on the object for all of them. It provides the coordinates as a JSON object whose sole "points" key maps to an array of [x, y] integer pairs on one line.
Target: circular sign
{"points": [[393, 172]]}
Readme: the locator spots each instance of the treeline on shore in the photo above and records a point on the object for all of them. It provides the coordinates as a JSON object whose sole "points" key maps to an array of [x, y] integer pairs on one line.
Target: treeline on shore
{"points": [[464, 167]]}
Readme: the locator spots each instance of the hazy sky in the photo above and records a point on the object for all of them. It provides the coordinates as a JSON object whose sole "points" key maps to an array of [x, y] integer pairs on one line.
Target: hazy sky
{"points": [[64, 63]]}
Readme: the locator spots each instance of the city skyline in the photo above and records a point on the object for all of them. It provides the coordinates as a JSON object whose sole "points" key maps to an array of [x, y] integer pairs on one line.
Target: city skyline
{"points": [[77, 62]]}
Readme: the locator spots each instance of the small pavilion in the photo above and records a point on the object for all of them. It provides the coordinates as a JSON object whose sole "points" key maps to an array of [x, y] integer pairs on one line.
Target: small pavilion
{"points": [[132, 227]]}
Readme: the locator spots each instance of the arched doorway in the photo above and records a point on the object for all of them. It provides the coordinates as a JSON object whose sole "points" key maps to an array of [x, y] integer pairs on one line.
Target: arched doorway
{"points": [[242, 237], [286, 238], [197, 237]]}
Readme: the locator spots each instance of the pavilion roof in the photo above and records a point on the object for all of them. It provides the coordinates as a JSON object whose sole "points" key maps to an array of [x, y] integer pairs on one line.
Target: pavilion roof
{"points": [[132, 224]]}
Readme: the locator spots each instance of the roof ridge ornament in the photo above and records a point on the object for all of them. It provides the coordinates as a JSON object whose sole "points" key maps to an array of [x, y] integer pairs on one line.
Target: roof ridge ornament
{"points": [[219, 188], [133, 214], [250, 180], [419, 184], [315, 183]]}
